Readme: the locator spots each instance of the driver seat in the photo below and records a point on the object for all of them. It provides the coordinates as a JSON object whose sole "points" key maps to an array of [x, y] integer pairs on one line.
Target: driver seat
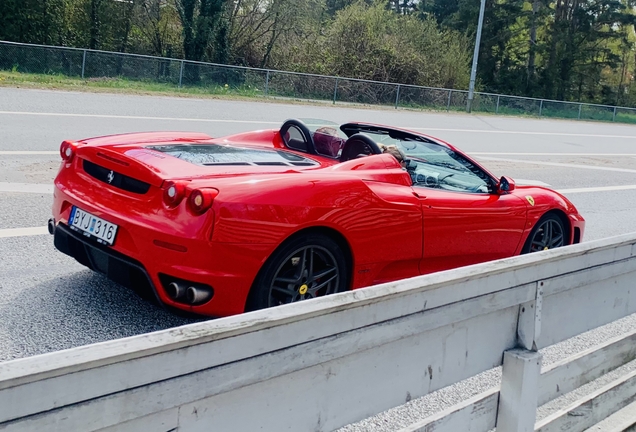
{"points": [[359, 145]]}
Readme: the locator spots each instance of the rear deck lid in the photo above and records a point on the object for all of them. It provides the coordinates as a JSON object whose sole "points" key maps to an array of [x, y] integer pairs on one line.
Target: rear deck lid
{"points": [[134, 167], [225, 155]]}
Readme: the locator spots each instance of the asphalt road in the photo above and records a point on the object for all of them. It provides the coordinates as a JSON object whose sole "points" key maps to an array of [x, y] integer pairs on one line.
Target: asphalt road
{"points": [[48, 302]]}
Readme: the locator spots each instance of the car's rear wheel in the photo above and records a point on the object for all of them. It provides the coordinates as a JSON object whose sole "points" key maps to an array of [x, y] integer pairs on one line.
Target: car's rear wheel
{"points": [[305, 267], [548, 233]]}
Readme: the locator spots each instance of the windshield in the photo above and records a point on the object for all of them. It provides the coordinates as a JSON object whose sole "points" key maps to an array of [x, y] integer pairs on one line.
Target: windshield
{"points": [[436, 166], [324, 126]]}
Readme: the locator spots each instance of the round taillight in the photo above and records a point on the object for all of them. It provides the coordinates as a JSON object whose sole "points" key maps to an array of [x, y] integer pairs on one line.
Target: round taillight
{"points": [[173, 193], [200, 200], [67, 150]]}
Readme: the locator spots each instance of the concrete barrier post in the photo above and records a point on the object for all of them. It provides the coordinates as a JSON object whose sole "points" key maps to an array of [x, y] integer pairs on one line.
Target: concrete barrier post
{"points": [[519, 390]]}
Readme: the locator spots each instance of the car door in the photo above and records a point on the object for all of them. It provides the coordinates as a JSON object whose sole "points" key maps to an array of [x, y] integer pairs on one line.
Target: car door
{"points": [[463, 228]]}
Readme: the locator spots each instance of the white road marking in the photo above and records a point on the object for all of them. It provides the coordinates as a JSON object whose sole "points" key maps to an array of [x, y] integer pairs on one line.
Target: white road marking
{"points": [[597, 189], [527, 182], [110, 116], [521, 132], [558, 164], [29, 153], [23, 232], [38, 188]]}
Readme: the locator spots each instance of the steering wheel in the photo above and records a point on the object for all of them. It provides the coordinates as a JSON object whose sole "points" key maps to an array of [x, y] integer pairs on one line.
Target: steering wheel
{"points": [[359, 145]]}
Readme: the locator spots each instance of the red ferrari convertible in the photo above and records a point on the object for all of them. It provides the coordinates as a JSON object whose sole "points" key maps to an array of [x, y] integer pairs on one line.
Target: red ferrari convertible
{"points": [[218, 226]]}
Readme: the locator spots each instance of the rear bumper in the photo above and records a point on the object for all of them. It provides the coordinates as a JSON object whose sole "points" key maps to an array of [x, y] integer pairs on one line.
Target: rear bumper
{"points": [[118, 267], [230, 288]]}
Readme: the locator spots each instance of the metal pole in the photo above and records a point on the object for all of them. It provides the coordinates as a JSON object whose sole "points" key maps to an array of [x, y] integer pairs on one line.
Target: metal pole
{"points": [[450, 93], [614, 116], [473, 72], [580, 106], [83, 63], [541, 108], [335, 91], [397, 97], [267, 83], [497, 109], [181, 74]]}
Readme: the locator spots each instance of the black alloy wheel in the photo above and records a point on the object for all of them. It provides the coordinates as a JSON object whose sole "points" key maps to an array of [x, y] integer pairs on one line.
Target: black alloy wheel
{"points": [[306, 267], [548, 233]]}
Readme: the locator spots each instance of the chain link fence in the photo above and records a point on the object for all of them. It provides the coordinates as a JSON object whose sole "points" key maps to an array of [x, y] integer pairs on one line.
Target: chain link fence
{"points": [[92, 65]]}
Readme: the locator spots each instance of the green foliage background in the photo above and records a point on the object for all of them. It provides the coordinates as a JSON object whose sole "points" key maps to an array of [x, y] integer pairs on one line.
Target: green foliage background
{"points": [[572, 50]]}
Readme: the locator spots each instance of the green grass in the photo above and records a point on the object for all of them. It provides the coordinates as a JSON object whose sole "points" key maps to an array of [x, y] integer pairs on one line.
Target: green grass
{"points": [[124, 85]]}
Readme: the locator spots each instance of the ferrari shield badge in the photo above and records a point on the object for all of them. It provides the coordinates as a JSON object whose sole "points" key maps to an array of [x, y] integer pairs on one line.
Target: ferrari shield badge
{"points": [[530, 200]]}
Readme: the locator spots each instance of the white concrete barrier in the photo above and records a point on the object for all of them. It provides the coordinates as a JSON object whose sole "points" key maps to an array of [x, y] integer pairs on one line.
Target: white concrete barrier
{"points": [[321, 364]]}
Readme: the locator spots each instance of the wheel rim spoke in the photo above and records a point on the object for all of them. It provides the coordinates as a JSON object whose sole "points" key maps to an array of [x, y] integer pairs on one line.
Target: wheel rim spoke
{"points": [[287, 280], [286, 291], [557, 241], [323, 284], [311, 264], [301, 266], [323, 274]]}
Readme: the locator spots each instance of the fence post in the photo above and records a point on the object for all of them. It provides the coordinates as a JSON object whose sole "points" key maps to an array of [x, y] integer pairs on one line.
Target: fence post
{"points": [[181, 74], [497, 109], [267, 83], [614, 116], [397, 97], [83, 63], [540, 107], [335, 91], [580, 106], [450, 92]]}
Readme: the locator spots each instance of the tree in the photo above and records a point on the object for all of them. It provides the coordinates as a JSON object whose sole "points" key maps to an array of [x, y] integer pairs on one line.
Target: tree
{"points": [[377, 44], [262, 32], [33, 21], [333, 6], [156, 28], [198, 18], [441, 10], [578, 47]]}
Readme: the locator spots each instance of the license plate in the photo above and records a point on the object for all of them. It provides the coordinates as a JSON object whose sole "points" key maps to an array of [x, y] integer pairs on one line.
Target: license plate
{"points": [[92, 226]]}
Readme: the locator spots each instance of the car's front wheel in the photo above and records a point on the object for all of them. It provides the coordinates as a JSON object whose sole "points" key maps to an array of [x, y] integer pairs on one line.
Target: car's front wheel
{"points": [[548, 233], [308, 266]]}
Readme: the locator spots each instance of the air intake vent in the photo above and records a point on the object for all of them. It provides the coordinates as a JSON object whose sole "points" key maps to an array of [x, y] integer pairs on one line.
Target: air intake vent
{"points": [[115, 179]]}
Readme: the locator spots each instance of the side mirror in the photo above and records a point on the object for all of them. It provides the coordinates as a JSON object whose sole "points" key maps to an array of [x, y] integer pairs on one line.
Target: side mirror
{"points": [[506, 185]]}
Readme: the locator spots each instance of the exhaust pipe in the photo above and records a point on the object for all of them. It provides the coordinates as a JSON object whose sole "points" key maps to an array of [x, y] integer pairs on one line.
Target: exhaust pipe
{"points": [[51, 226], [175, 290], [198, 295]]}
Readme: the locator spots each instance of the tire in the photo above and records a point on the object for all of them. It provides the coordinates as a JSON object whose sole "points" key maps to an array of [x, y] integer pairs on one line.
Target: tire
{"points": [[548, 233], [304, 267]]}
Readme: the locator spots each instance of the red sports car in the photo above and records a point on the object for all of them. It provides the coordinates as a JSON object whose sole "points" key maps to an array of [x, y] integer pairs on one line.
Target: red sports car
{"points": [[217, 226]]}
